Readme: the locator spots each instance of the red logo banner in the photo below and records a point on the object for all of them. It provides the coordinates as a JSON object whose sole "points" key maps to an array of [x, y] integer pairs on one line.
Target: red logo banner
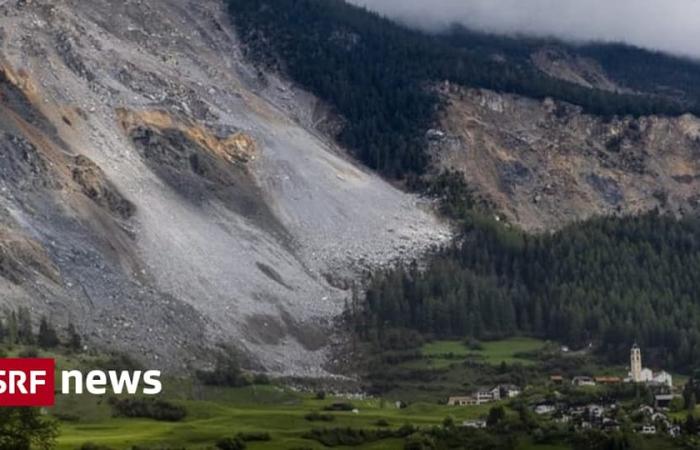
{"points": [[27, 382]]}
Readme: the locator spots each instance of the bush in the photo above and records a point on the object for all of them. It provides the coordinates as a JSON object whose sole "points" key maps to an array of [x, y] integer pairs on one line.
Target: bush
{"points": [[148, 408], [119, 362], [29, 352], [92, 446], [227, 372], [382, 423], [261, 379], [318, 417], [333, 437], [473, 344], [339, 406], [67, 417], [259, 436], [230, 444], [419, 442]]}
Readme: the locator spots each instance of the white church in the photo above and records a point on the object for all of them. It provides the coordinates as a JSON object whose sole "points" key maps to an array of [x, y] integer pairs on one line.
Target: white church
{"points": [[639, 374]]}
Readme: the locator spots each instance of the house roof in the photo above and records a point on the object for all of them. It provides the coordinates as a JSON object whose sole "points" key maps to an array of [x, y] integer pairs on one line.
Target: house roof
{"points": [[608, 379]]}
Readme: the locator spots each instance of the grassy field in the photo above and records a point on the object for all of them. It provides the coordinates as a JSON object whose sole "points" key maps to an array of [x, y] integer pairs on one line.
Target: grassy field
{"points": [[215, 412], [494, 352], [255, 408]]}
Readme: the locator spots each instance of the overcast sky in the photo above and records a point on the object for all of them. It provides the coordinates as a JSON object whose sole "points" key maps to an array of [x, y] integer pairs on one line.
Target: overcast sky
{"points": [[668, 25]]}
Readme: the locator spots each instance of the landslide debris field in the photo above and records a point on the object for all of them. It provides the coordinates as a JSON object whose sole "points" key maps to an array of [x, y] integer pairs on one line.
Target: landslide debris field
{"points": [[168, 198]]}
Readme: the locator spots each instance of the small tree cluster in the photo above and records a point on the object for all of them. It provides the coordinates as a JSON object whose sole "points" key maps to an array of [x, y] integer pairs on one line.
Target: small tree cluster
{"points": [[17, 329]]}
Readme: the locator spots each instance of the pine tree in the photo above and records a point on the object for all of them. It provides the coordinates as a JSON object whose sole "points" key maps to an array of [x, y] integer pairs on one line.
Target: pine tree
{"points": [[3, 331], [24, 327], [47, 337], [12, 329], [74, 340]]}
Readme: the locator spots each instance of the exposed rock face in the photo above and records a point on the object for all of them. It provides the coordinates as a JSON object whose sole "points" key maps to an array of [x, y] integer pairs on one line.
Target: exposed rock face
{"points": [[558, 63], [545, 164], [95, 185], [167, 198]]}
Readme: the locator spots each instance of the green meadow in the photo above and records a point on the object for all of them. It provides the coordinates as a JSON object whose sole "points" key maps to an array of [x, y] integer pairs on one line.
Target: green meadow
{"points": [[250, 409], [441, 353], [217, 412]]}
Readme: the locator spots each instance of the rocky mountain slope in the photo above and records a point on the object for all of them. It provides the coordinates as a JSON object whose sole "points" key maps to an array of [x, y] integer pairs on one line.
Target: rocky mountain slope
{"points": [[167, 197], [544, 164], [559, 63]]}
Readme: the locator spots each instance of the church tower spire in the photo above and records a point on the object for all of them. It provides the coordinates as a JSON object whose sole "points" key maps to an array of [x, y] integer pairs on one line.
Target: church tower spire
{"points": [[636, 364]]}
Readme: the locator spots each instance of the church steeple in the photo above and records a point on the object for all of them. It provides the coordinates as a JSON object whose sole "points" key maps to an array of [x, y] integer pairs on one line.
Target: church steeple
{"points": [[636, 363]]}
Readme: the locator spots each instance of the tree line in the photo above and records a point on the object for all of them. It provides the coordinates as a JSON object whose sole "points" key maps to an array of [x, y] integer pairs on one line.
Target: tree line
{"points": [[17, 329]]}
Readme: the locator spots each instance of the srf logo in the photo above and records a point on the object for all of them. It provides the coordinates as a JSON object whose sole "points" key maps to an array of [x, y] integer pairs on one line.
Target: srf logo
{"points": [[27, 382]]}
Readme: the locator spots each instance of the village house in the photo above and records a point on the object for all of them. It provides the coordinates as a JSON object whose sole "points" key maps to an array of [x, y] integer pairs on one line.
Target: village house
{"points": [[480, 423], [509, 390], [663, 401], [461, 401], [657, 416], [556, 379], [611, 424], [544, 408], [595, 411], [485, 395], [583, 381], [608, 380], [674, 430], [646, 410], [648, 429], [662, 378]]}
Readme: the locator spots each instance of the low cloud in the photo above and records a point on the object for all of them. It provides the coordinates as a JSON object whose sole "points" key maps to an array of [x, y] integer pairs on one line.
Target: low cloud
{"points": [[669, 25]]}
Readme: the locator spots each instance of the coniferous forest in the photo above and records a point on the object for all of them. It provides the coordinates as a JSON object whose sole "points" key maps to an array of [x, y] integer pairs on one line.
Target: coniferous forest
{"points": [[609, 281]]}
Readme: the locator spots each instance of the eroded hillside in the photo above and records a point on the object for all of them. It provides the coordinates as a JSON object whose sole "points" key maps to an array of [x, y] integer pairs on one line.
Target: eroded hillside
{"points": [[543, 164], [166, 197]]}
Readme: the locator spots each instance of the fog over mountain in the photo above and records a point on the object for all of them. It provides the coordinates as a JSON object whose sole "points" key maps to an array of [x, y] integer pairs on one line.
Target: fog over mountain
{"points": [[671, 26]]}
